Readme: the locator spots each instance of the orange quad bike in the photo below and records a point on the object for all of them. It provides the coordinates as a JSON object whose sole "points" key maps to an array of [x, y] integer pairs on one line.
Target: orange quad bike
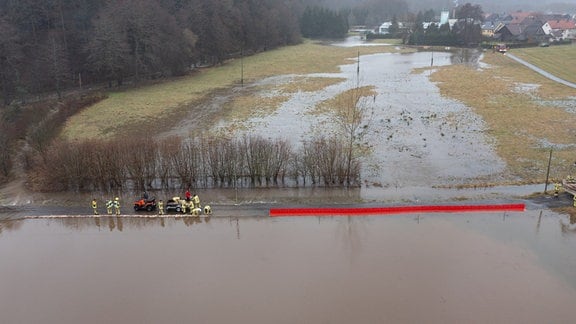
{"points": [[145, 204]]}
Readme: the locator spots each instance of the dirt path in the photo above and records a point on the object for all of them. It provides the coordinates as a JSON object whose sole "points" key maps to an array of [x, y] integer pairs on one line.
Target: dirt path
{"points": [[542, 72]]}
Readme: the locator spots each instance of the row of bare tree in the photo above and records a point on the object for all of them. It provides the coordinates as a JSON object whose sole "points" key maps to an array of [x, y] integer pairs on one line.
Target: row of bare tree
{"points": [[171, 163]]}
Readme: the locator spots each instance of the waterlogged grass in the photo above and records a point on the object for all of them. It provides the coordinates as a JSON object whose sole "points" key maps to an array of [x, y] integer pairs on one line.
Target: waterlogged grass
{"points": [[309, 84], [557, 60], [345, 102], [524, 126], [147, 106]]}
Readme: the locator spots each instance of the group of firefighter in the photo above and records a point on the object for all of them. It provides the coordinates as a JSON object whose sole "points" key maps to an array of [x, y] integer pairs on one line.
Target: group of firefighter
{"points": [[112, 205], [190, 204], [558, 187]]}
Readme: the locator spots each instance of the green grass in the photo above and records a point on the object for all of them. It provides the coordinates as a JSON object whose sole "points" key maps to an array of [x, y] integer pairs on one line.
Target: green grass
{"points": [[558, 60]]}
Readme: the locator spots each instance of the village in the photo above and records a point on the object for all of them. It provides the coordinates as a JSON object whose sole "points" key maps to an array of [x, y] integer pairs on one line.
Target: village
{"points": [[515, 29]]}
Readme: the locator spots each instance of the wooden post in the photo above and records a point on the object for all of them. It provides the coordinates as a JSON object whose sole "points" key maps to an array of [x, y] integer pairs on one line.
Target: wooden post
{"points": [[548, 172]]}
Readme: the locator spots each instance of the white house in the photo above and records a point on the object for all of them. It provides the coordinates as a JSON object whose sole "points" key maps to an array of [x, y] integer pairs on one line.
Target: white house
{"points": [[560, 29], [385, 27]]}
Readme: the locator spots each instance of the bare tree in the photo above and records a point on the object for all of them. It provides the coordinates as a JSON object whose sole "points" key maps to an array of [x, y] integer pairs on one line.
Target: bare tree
{"points": [[353, 114]]}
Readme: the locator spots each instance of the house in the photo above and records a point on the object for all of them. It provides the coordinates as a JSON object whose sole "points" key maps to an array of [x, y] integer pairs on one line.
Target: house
{"points": [[522, 28], [385, 27], [488, 28], [560, 29]]}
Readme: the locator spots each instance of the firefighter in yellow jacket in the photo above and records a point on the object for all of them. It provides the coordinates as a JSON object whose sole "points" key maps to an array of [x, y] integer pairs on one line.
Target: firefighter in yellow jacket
{"points": [[117, 205], [196, 201], [557, 187], [109, 206], [161, 207], [185, 204], [95, 206]]}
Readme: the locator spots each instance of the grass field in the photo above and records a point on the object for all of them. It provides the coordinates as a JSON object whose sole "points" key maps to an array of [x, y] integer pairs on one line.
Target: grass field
{"points": [[525, 123], [558, 60]]}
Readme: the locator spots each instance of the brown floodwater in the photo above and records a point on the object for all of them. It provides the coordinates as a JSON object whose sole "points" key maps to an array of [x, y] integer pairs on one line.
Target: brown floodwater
{"points": [[515, 267]]}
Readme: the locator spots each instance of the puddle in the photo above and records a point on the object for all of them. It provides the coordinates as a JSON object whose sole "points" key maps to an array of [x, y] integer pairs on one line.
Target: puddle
{"points": [[456, 268]]}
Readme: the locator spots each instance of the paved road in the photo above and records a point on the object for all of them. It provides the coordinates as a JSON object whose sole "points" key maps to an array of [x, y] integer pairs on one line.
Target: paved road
{"points": [[539, 70]]}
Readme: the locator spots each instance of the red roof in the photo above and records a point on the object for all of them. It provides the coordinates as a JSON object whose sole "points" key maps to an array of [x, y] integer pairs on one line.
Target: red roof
{"points": [[518, 17], [562, 24]]}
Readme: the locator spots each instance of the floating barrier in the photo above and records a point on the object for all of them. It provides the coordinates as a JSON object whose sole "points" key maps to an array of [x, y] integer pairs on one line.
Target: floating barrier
{"points": [[375, 211]]}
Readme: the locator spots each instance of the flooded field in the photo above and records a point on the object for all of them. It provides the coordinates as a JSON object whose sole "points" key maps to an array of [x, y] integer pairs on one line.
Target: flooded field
{"points": [[515, 267], [414, 134]]}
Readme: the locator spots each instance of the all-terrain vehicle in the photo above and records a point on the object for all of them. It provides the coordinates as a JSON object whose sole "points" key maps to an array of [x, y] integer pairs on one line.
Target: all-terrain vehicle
{"points": [[147, 204]]}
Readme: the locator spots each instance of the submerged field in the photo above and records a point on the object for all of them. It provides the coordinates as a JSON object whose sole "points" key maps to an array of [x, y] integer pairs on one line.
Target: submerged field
{"points": [[129, 110], [524, 114]]}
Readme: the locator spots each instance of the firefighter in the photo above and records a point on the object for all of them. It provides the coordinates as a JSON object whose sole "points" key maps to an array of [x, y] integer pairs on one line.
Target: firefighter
{"points": [[196, 201], [192, 208], [161, 207], [117, 205], [95, 206], [207, 210], [556, 189], [109, 205], [185, 205]]}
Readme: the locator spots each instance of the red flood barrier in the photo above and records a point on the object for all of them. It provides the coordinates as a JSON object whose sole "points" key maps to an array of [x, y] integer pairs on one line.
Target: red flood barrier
{"points": [[375, 211]]}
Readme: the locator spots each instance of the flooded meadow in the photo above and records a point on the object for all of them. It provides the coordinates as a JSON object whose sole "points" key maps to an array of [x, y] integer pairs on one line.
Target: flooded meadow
{"points": [[60, 264]]}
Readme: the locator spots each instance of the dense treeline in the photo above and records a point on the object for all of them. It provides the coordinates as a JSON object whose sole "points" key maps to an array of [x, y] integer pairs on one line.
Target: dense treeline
{"points": [[51, 45], [176, 163], [318, 22]]}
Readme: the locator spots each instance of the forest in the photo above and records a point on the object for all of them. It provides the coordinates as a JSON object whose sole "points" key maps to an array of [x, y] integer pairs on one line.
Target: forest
{"points": [[49, 46]]}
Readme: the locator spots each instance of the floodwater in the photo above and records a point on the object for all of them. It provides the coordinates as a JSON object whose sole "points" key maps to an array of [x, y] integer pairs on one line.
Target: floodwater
{"points": [[515, 267]]}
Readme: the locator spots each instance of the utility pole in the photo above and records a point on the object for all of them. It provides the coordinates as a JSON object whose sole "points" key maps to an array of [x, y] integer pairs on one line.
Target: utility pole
{"points": [[242, 66]]}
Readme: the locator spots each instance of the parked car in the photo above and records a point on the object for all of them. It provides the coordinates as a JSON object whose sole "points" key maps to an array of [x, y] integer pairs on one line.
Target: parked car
{"points": [[173, 205]]}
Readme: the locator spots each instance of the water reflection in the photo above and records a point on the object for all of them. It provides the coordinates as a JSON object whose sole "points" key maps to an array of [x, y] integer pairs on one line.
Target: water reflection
{"points": [[568, 225], [466, 56], [6, 226], [350, 233], [332, 269]]}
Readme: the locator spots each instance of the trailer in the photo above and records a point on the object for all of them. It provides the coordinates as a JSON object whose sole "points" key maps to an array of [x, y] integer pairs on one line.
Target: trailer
{"points": [[569, 185]]}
